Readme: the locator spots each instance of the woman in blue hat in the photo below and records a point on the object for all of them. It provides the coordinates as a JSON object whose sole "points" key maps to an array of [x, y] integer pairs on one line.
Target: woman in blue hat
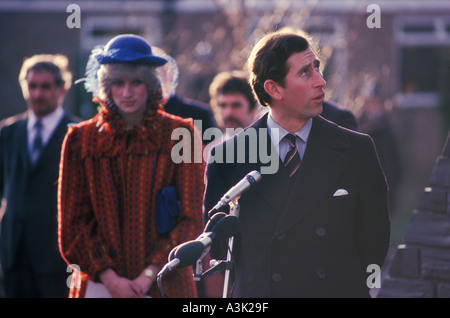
{"points": [[112, 170]]}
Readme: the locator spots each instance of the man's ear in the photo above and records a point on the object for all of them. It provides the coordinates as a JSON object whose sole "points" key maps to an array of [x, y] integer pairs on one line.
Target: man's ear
{"points": [[62, 94], [273, 89]]}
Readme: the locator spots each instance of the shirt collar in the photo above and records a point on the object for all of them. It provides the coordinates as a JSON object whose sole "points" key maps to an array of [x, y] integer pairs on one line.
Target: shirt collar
{"points": [[303, 133], [49, 121]]}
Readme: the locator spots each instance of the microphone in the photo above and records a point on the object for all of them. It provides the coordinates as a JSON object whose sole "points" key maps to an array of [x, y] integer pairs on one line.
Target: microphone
{"points": [[182, 256], [188, 253], [248, 181], [213, 221], [227, 226], [208, 228]]}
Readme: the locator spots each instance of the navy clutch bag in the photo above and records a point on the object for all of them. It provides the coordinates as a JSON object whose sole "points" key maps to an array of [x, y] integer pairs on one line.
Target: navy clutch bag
{"points": [[167, 209]]}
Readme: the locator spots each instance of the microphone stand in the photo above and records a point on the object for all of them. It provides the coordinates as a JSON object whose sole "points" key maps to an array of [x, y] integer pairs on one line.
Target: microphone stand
{"points": [[234, 210], [199, 265], [217, 266]]}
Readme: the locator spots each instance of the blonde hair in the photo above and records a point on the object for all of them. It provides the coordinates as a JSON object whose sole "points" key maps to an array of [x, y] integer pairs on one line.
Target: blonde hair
{"points": [[108, 73]]}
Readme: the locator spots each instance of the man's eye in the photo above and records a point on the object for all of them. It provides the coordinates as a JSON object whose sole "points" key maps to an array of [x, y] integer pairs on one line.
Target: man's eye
{"points": [[138, 82], [304, 73]]}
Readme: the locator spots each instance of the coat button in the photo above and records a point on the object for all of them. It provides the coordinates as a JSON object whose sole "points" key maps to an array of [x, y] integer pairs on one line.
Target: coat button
{"points": [[276, 277], [320, 231], [321, 273]]}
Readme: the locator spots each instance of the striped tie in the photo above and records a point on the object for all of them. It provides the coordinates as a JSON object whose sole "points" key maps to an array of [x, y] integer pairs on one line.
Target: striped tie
{"points": [[292, 160], [36, 147]]}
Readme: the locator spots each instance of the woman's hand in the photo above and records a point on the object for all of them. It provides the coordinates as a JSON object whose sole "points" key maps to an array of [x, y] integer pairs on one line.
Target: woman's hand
{"points": [[146, 279], [120, 287]]}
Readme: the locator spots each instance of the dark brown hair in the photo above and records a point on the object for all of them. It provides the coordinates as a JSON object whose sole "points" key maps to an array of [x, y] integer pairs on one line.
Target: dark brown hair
{"points": [[230, 83], [268, 60]]}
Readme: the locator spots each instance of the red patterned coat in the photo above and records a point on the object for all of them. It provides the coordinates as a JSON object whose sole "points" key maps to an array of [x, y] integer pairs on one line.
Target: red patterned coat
{"points": [[109, 177]]}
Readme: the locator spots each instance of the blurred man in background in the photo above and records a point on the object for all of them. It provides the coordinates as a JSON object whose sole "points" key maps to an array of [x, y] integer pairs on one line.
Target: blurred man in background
{"points": [[232, 100], [30, 145]]}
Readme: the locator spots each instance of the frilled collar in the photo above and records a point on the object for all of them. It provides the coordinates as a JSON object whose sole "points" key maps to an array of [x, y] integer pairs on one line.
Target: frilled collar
{"points": [[114, 136]]}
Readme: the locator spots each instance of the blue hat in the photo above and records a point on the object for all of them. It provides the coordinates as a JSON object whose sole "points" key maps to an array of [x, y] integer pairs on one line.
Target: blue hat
{"points": [[125, 48], [129, 48]]}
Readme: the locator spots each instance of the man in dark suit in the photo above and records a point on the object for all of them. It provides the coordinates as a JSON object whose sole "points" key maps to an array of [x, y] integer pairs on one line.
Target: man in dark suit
{"points": [[190, 108], [317, 224], [30, 145], [343, 117]]}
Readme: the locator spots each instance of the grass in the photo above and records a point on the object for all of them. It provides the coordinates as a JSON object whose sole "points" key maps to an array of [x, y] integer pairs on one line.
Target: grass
{"points": [[409, 194]]}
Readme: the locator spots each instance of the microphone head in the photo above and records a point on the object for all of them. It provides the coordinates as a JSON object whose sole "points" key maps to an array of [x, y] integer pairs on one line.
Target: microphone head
{"points": [[172, 253], [226, 227], [213, 221], [188, 253], [253, 177]]}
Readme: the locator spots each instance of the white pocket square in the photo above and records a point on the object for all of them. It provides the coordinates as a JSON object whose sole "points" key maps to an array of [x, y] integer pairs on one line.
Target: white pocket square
{"points": [[340, 192]]}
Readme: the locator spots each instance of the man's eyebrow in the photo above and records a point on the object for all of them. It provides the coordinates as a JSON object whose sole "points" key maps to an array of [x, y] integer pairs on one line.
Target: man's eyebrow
{"points": [[34, 84], [303, 68], [315, 63]]}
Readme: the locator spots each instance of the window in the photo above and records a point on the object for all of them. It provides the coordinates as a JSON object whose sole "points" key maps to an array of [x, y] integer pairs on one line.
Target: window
{"points": [[421, 68], [423, 59]]}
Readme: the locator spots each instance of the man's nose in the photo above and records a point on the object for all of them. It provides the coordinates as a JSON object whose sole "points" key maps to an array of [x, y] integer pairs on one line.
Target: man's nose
{"points": [[319, 80], [36, 92], [227, 111]]}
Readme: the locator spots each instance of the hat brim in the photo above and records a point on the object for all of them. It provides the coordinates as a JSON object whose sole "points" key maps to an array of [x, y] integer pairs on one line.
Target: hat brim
{"points": [[132, 59]]}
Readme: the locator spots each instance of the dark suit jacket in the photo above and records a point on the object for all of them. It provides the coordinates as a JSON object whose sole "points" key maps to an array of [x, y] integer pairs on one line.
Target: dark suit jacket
{"points": [[188, 108], [336, 114], [29, 197], [296, 238]]}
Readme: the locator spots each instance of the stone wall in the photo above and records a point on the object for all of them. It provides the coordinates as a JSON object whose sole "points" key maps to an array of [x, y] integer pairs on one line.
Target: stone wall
{"points": [[420, 267]]}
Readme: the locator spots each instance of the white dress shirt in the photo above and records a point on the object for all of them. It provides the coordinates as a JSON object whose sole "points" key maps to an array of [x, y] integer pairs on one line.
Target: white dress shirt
{"points": [[49, 124]]}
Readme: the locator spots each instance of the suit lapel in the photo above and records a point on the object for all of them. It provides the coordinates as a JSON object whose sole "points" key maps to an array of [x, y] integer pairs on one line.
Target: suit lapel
{"points": [[322, 165], [23, 144], [54, 142], [271, 185]]}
